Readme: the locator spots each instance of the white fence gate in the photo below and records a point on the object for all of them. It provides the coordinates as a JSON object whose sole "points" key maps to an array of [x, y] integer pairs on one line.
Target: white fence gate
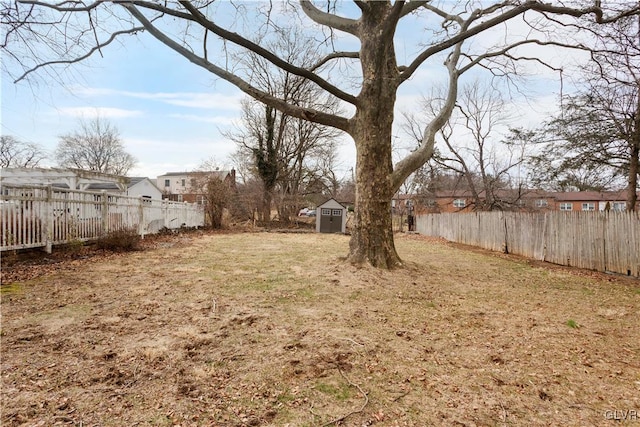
{"points": [[34, 216]]}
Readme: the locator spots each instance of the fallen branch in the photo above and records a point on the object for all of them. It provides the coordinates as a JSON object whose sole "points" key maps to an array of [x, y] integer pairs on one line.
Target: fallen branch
{"points": [[366, 401]]}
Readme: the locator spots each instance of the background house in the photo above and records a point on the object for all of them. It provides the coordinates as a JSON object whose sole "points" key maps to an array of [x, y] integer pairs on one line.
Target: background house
{"points": [[78, 179], [590, 201], [136, 187], [187, 186], [525, 201]]}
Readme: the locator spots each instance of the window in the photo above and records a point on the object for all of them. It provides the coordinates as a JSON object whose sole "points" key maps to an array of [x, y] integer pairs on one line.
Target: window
{"points": [[566, 206], [183, 182], [541, 203], [201, 200], [337, 212], [619, 206], [167, 183], [589, 206], [459, 203], [326, 212]]}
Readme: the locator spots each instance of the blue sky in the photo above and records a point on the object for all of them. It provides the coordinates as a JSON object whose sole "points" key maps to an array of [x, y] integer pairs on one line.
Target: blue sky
{"points": [[170, 112]]}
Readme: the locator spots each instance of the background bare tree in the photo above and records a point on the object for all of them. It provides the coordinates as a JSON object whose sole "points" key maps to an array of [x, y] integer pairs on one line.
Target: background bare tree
{"points": [[69, 32], [288, 154], [473, 147], [594, 142], [217, 194], [96, 145], [19, 154], [582, 148]]}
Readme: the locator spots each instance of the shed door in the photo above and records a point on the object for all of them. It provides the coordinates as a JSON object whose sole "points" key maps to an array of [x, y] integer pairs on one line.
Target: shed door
{"points": [[331, 220]]}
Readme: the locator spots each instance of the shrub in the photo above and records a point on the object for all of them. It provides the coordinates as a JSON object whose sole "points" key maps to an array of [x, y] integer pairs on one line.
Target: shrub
{"points": [[126, 239]]}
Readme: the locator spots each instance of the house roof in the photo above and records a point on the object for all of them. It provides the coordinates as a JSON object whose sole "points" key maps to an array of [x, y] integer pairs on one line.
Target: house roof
{"points": [[568, 196], [589, 196], [175, 174], [110, 186], [220, 173], [61, 178]]}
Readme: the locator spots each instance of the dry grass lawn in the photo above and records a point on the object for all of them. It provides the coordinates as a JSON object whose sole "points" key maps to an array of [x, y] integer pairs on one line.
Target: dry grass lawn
{"points": [[267, 329]]}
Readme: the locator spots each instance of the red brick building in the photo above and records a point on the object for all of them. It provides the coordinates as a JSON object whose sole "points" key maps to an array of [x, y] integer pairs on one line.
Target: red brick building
{"points": [[530, 201]]}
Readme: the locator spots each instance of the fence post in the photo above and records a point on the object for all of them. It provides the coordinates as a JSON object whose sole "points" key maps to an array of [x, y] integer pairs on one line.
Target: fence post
{"points": [[604, 240], [506, 247], [47, 229], [141, 216], [105, 212]]}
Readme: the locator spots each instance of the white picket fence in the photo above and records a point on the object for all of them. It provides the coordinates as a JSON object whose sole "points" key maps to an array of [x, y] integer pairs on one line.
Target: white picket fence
{"points": [[602, 241], [34, 216]]}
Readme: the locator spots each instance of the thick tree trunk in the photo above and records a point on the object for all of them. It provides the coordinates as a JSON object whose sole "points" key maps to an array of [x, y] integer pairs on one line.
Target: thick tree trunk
{"points": [[265, 208], [372, 236]]}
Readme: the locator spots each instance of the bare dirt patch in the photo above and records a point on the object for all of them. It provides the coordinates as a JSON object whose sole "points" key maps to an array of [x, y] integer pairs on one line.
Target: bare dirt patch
{"points": [[275, 329]]}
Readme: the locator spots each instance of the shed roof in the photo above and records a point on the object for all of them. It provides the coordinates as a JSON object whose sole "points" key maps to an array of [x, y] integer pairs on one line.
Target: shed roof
{"points": [[333, 203]]}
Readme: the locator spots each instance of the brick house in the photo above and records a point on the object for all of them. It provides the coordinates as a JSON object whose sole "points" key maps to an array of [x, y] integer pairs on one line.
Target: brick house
{"points": [[530, 201], [591, 201]]}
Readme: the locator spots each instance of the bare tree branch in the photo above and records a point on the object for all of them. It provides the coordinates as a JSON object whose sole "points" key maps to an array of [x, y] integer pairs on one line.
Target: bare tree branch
{"points": [[505, 16], [504, 53], [329, 19], [292, 110], [332, 56], [412, 6], [274, 59], [423, 153], [81, 58]]}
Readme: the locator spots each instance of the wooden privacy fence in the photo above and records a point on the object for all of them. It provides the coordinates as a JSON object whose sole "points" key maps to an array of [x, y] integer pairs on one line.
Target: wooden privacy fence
{"points": [[603, 241], [33, 216]]}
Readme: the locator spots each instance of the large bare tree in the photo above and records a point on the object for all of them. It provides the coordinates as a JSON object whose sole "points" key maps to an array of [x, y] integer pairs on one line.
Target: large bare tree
{"points": [[96, 146], [74, 30]]}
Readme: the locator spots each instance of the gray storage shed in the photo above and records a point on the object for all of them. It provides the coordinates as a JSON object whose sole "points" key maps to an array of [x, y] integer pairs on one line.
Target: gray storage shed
{"points": [[331, 217]]}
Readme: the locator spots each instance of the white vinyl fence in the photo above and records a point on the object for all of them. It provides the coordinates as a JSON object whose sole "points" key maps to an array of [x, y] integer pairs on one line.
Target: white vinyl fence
{"points": [[33, 216], [602, 241]]}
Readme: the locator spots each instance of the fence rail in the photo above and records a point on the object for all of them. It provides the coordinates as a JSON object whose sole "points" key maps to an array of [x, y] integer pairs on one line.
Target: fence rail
{"points": [[602, 241], [35, 216]]}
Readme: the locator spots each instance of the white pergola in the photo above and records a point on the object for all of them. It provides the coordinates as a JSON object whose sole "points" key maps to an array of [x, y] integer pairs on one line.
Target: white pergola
{"points": [[75, 179]]}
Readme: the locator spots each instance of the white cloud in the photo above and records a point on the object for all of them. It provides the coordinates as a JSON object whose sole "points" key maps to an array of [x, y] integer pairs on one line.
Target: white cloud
{"points": [[201, 100], [220, 120], [104, 112]]}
